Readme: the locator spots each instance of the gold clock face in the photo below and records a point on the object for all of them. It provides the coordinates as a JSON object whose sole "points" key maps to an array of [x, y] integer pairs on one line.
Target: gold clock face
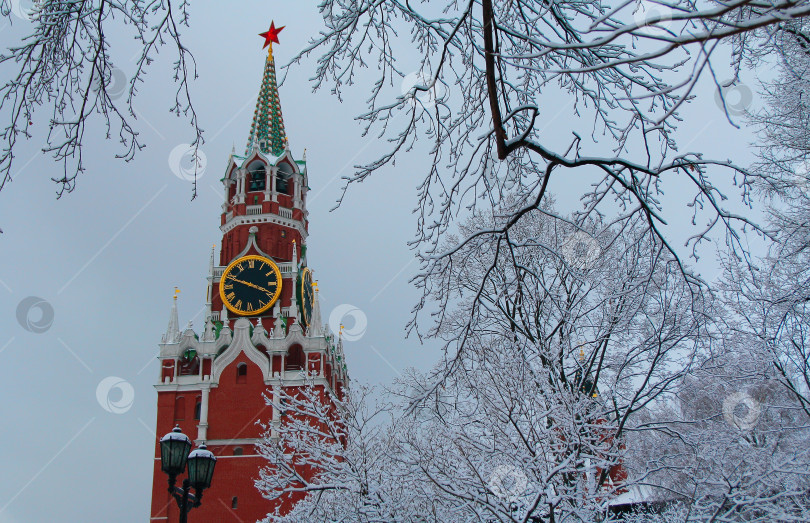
{"points": [[250, 285]]}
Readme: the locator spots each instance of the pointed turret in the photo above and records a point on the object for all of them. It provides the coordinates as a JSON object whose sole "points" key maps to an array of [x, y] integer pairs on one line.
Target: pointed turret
{"points": [[267, 131], [209, 333], [173, 330], [315, 327], [210, 292]]}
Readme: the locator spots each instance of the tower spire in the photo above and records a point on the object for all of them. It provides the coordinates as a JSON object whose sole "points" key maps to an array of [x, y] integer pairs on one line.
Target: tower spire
{"points": [[267, 129], [173, 330]]}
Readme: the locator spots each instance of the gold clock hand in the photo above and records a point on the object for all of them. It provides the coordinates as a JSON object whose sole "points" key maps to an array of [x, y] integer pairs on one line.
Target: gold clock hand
{"points": [[251, 285]]}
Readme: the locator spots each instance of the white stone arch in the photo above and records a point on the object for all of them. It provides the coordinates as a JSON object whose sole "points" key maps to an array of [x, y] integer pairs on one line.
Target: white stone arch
{"points": [[241, 343], [188, 341]]}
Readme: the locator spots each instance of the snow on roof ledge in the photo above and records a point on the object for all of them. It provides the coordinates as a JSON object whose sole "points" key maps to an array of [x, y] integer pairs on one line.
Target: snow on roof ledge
{"points": [[639, 494]]}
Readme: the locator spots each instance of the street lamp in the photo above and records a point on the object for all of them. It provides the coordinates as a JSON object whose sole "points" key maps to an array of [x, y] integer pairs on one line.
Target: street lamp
{"points": [[174, 454]]}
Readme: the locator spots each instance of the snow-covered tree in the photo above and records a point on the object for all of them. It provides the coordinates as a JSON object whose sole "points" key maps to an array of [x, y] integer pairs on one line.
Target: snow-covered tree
{"points": [[704, 400], [783, 148], [733, 448], [735, 443], [771, 303], [548, 318]]}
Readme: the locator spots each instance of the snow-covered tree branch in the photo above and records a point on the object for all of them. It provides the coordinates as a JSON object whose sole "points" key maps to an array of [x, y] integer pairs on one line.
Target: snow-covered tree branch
{"points": [[66, 67]]}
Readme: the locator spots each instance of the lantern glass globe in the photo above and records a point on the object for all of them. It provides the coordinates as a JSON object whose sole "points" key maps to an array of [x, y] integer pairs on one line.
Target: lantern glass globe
{"points": [[201, 463], [174, 448]]}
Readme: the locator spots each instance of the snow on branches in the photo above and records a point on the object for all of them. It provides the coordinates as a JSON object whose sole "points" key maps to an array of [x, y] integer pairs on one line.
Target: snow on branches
{"points": [[66, 67]]}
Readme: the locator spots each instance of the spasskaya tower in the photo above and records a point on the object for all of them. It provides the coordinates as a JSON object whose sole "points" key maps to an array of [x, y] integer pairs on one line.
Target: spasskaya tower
{"points": [[263, 331]]}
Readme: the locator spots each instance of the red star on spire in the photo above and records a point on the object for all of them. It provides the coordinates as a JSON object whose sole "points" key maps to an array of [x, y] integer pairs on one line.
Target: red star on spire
{"points": [[271, 36]]}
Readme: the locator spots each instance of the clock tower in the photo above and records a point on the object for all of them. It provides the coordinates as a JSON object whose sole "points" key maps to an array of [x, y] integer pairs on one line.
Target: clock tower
{"points": [[263, 330]]}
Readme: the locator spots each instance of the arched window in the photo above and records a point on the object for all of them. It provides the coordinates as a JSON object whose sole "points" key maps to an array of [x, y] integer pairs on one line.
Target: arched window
{"points": [[234, 502], [284, 178], [179, 408], [231, 184], [189, 367], [295, 358], [197, 408], [237, 451], [257, 176], [241, 373]]}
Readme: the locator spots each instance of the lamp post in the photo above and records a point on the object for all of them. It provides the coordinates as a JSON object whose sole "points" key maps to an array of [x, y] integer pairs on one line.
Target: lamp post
{"points": [[174, 455]]}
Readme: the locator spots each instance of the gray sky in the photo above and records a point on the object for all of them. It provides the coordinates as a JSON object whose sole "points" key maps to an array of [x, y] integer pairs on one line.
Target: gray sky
{"points": [[106, 258]]}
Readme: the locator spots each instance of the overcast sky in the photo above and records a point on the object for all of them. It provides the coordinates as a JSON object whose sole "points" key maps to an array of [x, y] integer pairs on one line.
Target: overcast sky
{"points": [[78, 410]]}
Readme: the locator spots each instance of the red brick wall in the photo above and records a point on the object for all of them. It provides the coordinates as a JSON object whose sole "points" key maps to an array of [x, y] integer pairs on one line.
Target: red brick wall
{"points": [[233, 410]]}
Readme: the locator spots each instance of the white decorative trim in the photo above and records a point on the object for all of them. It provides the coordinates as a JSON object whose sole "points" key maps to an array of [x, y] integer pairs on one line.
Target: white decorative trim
{"points": [[202, 428], [288, 155], [297, 379], [238, 441], [252, 243], [188, 341], [231, 163], [257, 154], [239, 456], [241, 343], [275, 417], [205, 349], [189, 379], [236, 221], [296, 335], [181, 387]]}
